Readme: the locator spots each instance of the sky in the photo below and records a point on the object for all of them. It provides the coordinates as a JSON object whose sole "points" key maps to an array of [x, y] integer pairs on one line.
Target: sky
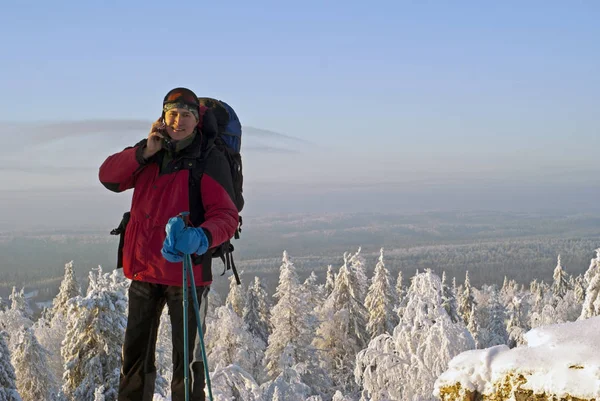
{"points": [[353, 106]]}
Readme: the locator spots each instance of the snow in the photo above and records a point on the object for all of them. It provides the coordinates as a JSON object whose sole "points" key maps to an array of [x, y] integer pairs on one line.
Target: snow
{"points": [[559, 359]]}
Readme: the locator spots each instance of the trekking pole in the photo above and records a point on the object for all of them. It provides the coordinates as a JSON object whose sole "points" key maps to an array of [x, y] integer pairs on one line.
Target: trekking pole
{"points": [[187, 267], [186, 370], [188, 260]]}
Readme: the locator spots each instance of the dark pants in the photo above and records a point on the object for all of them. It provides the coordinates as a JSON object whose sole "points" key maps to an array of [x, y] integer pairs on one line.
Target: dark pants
{"points": [[138, 371]]}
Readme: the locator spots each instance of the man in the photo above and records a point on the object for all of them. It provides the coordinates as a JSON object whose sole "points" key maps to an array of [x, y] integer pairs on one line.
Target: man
{"points": [[159, 169]]}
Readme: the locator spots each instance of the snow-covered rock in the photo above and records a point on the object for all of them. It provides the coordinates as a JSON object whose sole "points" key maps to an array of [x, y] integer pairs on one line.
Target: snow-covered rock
{"points": [[558, 362]]}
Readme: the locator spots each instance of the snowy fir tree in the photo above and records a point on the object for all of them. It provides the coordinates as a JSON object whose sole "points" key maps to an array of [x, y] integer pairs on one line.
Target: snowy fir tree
{"points": [[234, 344], [496, 327], [399, 292], [338, 396], [69, 288], [35, 380], [591, 304], [404, 366], [329, 281], [449, 300], [568, 308], [19, 302], [466, 300], [236, 297], [95, 331], [288, 385], [358, 268], [516, 325], [578, 285], [291, 321], [315, 292], [164, 356], [475, 328], [399, 288], [234, 383], [379, 301], [8, 379], [561, 280], [51, 329], [256, 313], [342, 332], [17, 317]]}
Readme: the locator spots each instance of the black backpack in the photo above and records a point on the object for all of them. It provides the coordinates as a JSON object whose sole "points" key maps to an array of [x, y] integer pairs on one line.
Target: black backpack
{"points": [[229, 141]]}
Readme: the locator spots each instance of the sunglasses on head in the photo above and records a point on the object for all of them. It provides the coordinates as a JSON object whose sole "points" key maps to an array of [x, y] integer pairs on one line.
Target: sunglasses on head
{"points": [[181, 95]]}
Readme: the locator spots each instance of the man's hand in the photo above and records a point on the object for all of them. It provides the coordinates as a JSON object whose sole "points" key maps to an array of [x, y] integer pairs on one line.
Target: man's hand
{"points": [[154, 143], [182, 240], [191, 240]]}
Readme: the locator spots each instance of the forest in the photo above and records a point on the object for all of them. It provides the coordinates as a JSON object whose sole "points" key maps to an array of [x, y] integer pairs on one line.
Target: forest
{"points": [[354, 336]]}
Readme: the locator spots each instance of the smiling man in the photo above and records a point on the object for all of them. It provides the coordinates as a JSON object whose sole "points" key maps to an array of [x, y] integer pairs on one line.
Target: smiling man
{"points": [[159, 169]]}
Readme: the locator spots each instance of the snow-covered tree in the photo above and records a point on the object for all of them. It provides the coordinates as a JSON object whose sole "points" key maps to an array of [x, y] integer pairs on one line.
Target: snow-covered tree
{"points": [[577, 283], [496, 327], [399, 288], [8, 386], [449, 300], [338, 396], [234, 344], [96, 327], [17, 317], [466, 300], [291, 321], [379, 301], [35, 380], [358, 268], [591, 304], [329, 281], [51, 329], [256, 311], [342, 332], [69, 288], [561, 280], [288, 386], [234, 383], [99, 394], [405, 365], [399, 302], [19, 302], [516, 326], [568, 308], [164, 356], [505, 286], [236, 297], [475, 328], [315, 292]]}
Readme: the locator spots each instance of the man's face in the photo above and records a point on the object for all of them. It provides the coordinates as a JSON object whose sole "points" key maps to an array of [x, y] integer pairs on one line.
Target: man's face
{"points": [[180, 123]]}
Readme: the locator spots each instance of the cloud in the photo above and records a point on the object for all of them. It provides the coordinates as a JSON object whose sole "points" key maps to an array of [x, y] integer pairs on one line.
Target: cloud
{"points": [[58, 130], [37, 168], [54, 130], [268, 149], [264, 133]]}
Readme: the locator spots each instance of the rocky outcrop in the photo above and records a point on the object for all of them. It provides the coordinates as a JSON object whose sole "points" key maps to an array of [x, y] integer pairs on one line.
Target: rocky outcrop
{"points": [[559, 362], [511, 388]]}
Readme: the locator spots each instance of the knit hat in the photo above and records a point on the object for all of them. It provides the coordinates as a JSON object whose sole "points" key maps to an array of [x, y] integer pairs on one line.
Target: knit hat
{"points": [[182, 98]]}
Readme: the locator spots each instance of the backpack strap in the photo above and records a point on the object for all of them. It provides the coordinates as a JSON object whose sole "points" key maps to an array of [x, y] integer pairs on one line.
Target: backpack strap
{"points": [[120, 231], [225, 250]]}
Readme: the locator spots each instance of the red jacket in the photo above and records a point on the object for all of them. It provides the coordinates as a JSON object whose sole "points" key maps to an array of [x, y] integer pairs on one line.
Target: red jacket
{"points": [[160, 195]]}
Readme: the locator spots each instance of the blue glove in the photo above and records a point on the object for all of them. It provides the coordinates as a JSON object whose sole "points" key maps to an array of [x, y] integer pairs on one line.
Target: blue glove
{"points": [[168, 250], [191, 240], [182, 240]]}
